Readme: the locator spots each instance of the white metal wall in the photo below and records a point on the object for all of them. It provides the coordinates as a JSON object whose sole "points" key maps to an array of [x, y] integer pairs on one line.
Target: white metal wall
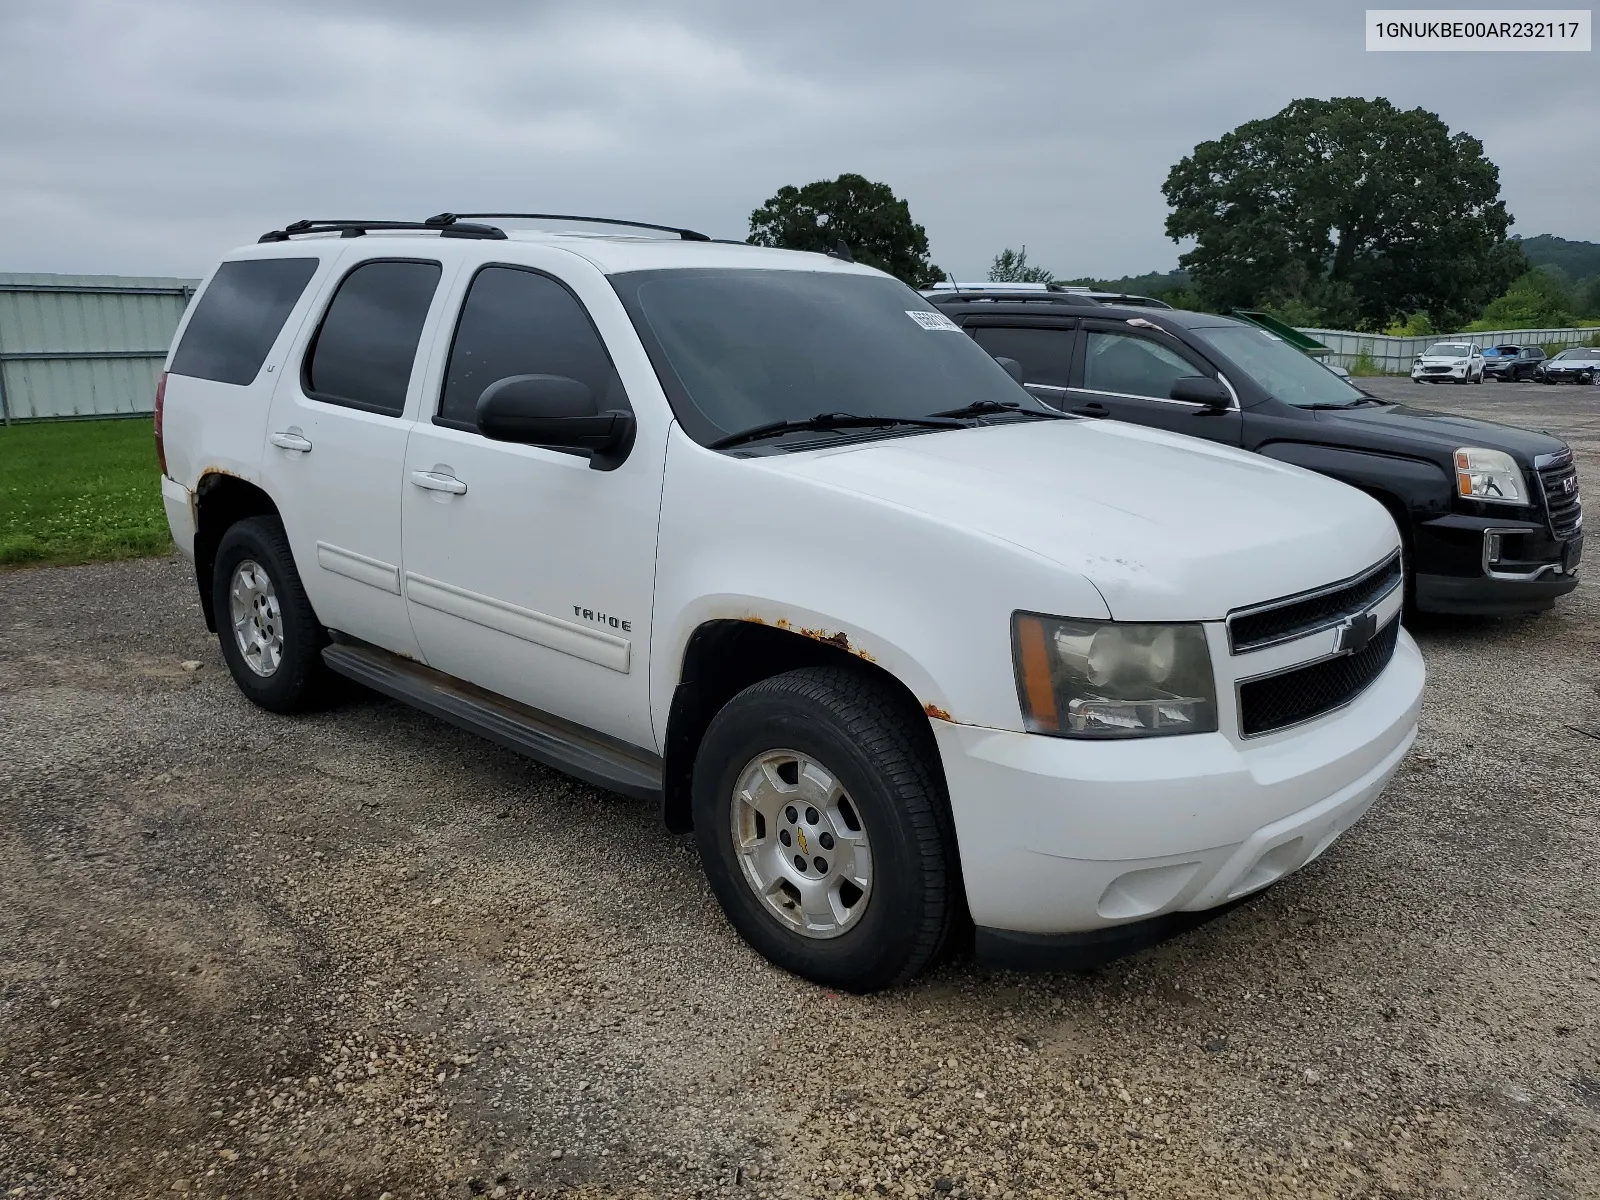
{"points": [[84, 345], [1394, 354]]}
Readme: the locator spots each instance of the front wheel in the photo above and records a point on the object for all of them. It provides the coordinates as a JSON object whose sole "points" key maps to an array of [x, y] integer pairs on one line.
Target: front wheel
{"points": [[270, 636], [824, 830]]}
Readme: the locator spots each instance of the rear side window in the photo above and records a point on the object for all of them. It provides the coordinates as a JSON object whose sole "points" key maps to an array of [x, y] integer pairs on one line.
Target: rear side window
{"points": [[363, 352], [1045, 354], [518, 322], [238, 317]]}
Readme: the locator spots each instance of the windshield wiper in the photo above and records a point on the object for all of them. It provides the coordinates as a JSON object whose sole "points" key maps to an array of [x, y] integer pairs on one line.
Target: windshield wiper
{"points": [[829, 421], [982, 408]]}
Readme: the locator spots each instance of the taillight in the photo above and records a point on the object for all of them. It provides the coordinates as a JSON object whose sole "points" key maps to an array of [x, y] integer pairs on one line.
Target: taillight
{"points": [[161, 403]]}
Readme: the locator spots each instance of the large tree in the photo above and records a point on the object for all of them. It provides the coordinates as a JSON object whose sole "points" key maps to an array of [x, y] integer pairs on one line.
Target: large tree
{"points": [[867, 217], [1011, 266], [1350, 207]]}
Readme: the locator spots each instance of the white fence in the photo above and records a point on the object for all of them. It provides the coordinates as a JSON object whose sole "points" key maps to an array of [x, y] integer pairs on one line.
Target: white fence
{"points": [[1393, 355]]}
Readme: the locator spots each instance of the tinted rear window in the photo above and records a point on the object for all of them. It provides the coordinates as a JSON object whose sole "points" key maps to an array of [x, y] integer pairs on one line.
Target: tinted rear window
{"points": [[362, 355], [238, 317]]}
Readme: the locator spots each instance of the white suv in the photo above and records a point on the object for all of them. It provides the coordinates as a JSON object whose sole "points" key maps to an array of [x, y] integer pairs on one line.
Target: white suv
{"points": [[762, 537]]}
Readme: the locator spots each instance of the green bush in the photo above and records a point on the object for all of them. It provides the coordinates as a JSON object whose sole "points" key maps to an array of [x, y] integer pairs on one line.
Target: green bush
{"points": [[1417, 324], [1538, 300], [1365, 366]]}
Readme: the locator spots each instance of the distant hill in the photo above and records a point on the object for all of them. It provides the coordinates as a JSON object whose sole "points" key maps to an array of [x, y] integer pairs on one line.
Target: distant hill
{"points": [[1575, 260], [1153, 284]]}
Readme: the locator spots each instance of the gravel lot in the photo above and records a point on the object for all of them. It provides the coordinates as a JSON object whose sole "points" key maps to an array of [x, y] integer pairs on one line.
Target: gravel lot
{"points": [[363, 954]]}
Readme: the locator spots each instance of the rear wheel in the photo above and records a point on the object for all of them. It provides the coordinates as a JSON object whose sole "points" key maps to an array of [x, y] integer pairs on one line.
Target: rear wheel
{"points": [[269, 634], [824, 829]]}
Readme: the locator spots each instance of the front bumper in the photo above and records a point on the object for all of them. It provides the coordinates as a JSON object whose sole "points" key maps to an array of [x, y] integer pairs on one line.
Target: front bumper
{"points": [[1059, 836], [1455, 573], [1436, 374]]}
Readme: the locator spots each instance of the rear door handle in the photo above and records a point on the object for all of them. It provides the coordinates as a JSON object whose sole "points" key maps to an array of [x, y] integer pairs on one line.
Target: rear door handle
{"points": [[435, 482], [1092, 410], [290, 441]]}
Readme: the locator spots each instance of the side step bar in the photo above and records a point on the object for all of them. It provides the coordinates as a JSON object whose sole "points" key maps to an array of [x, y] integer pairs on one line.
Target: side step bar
{"points": [[583, 753]]}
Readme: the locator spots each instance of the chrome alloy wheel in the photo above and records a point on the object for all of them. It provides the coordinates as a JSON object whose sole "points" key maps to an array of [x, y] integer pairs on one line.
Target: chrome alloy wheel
{"points": [[257, 619], [801, 843]]}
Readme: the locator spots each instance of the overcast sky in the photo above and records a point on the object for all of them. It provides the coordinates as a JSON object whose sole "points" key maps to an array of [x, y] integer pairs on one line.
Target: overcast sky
{"points": [[148, 136]]}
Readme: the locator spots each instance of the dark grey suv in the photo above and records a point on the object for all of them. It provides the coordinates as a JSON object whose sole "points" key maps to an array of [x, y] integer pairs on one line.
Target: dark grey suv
{"points": [[1509, 364]]}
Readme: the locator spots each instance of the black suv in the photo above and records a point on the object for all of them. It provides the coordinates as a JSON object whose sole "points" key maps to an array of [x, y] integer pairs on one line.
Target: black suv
{"points": [[1512, 363], [1489, 513]]}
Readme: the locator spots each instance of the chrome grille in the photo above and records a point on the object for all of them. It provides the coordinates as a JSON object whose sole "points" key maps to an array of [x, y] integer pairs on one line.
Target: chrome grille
{"points": [[1301, 694], [1558, 481], [1307, 612]]}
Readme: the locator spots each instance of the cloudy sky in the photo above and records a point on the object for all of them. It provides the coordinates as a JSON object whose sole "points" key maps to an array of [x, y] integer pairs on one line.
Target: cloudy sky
{"points": [[147, 136]]}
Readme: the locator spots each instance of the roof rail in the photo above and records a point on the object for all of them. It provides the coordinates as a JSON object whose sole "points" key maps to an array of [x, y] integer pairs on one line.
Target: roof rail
{"points": [[360, 228], [687, 235]]}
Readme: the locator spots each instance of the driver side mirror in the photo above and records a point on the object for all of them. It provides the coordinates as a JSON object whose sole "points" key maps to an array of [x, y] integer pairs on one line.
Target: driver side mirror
{"points": [[1012, 366], [1204, 391], [557, 413]]}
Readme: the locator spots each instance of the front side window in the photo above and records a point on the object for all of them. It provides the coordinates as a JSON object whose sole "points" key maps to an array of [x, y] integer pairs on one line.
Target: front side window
{"points": [[1045, 354], [363, 353], [737, 348], [1276, 367], [239, 316], [519, 322], [1132, 366]]}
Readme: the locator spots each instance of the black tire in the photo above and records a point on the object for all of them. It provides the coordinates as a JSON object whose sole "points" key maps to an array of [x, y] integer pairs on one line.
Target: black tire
{"points": [[871, 741], [300, 680]]}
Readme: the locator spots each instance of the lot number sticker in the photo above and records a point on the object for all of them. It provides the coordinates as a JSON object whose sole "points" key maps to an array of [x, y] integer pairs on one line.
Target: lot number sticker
{"points": [[932, 320]]}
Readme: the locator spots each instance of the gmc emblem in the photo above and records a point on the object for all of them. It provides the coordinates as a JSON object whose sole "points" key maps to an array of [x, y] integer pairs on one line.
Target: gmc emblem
{"points": [[1353, 636]]}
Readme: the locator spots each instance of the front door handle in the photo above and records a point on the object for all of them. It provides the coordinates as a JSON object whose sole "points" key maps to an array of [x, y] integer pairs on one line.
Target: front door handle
{"points": [[290, 441], [1093, 409], [435, 482]]}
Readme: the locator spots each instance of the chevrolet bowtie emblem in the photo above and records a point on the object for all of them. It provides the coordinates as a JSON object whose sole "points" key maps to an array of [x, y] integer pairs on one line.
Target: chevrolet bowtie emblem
{"points": [[1352, 637]]}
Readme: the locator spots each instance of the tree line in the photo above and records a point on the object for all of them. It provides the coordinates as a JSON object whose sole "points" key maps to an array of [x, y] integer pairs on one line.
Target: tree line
{"points": [[1347, 213]]}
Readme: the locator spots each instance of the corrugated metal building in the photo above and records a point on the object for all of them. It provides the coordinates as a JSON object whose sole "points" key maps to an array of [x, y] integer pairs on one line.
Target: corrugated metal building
{"points": [[84, 345]]}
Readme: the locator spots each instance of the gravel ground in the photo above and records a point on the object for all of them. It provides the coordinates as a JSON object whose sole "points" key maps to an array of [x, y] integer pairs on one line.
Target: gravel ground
{"points": [[363, 954]]}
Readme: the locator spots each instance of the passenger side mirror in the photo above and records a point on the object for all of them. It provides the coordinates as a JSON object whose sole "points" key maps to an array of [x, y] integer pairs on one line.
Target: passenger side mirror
{"points": [[1012, 366], [1202, 390], [555, 412]]}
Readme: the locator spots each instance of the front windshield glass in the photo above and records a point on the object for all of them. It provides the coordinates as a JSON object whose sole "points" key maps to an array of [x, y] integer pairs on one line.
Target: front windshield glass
{"points": [[739, 348], [1569, 354], [1448, 350], [1278, 368]]}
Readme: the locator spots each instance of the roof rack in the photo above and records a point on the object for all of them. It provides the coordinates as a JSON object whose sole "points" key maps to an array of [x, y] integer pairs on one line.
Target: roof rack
{"points": [[979, 294], [360, 228], [687, 235]]}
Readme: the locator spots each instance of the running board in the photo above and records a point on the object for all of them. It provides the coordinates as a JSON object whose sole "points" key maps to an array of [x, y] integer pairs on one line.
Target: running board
{"points": [[583, 753]]}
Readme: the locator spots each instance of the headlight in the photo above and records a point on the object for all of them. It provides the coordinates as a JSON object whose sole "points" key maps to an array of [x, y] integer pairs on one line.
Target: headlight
{"points": [[1101, 679], [1490, 475]]}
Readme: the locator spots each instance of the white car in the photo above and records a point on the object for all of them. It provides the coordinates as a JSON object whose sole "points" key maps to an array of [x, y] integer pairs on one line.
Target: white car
{"points": [[1448, 362], [761, 537]]}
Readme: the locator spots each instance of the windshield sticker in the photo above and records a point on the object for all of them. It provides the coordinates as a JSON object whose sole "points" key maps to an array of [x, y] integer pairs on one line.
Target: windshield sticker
{"points": [[932, 320]]}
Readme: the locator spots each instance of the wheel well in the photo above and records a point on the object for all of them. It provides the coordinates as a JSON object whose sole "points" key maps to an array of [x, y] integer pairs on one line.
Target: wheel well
{"points": [[721, 660], [221, 502]]}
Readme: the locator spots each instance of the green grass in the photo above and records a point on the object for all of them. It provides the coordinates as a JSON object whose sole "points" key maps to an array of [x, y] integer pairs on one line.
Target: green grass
{"points": [[80, 491]]}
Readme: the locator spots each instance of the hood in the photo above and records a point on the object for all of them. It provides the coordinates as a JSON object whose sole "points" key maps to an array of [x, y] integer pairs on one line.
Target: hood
{"points": [[1442, 360], [1436, 435], [1571, 364], [1168, 528]]}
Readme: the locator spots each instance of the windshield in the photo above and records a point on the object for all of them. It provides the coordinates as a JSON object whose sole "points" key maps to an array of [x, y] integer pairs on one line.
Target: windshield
{"points": [[1579, 354], [740, 348], [1448, 350], [1278, 368]]}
